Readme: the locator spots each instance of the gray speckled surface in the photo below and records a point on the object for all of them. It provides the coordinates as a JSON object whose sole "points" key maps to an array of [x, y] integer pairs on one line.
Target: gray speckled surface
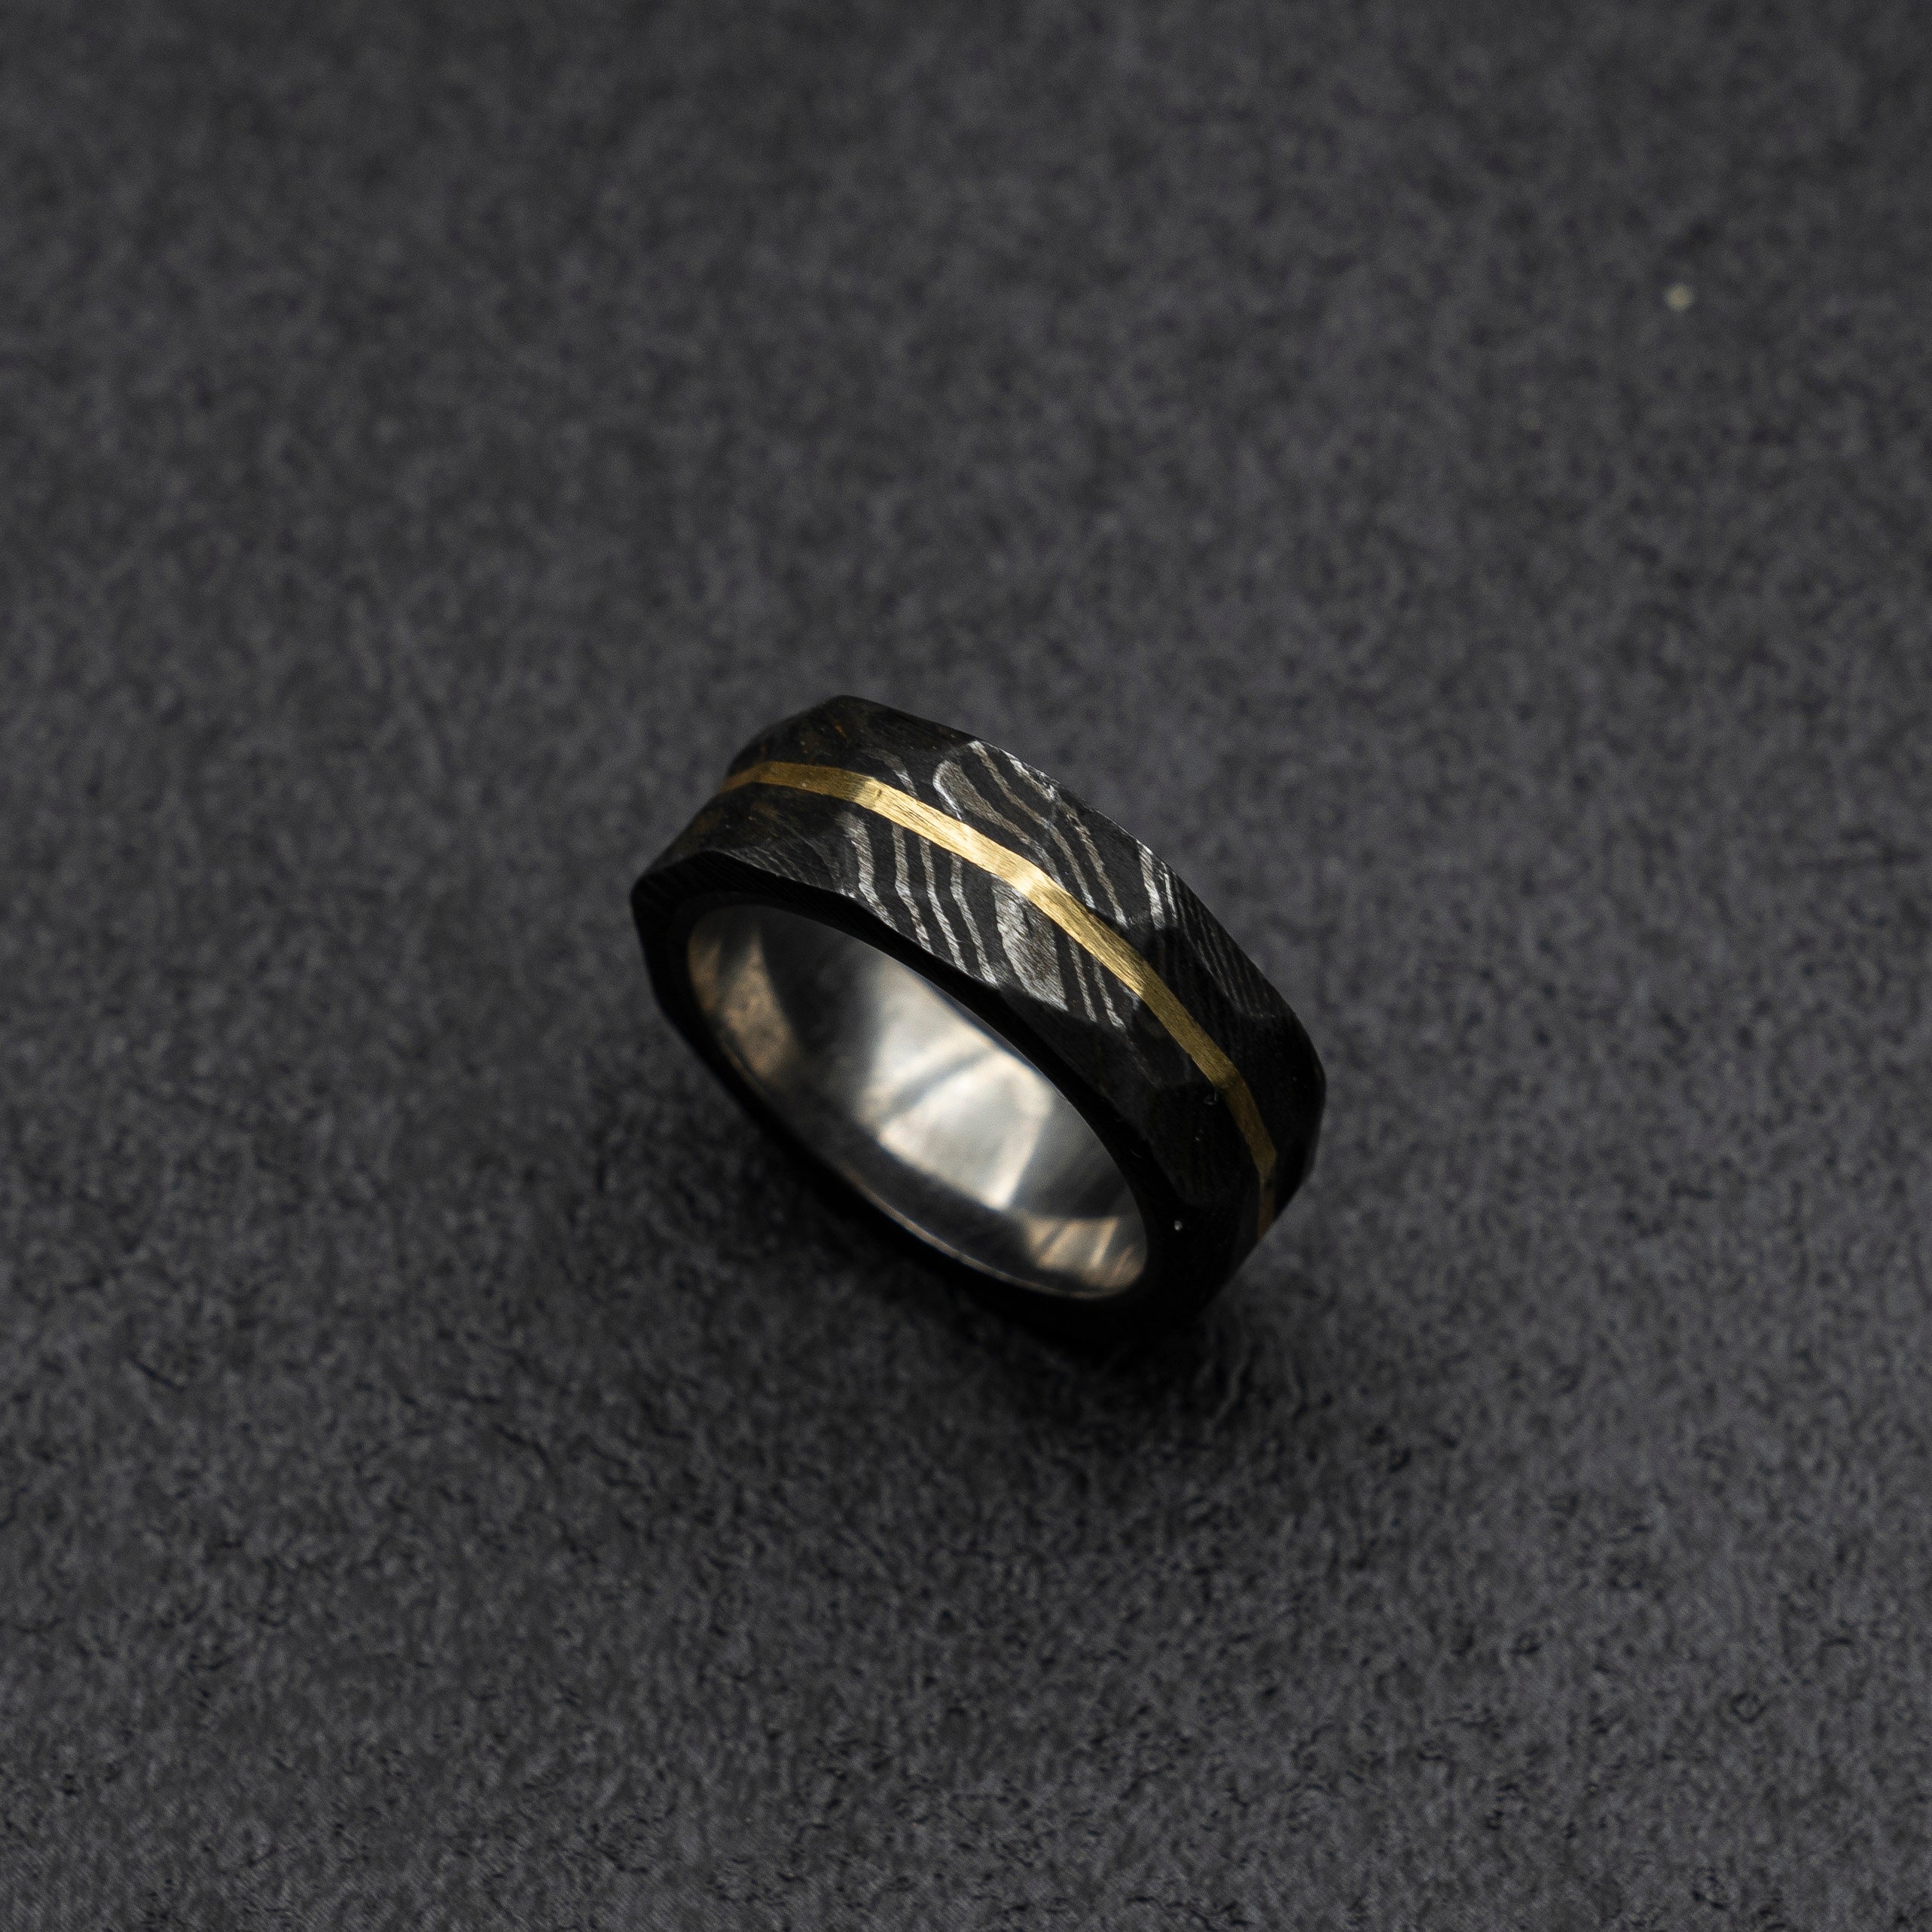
{"points": [[449, 1471]]}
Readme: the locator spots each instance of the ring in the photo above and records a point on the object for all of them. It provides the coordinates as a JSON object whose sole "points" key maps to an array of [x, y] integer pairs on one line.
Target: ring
{"points": [[952, 988]]}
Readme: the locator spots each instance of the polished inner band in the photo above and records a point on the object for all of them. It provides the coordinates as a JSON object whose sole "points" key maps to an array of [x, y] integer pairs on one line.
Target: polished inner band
{"points": [[926, 1111]]}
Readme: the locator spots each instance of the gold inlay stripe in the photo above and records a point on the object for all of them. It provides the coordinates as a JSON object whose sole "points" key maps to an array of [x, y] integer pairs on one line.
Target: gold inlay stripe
{"points": [[1043, 892]]}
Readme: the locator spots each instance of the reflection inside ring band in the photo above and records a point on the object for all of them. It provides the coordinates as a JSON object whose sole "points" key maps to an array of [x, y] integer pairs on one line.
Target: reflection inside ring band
{"points": [[926, 1111]]}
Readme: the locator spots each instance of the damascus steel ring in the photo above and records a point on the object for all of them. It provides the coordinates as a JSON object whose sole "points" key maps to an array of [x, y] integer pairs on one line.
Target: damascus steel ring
{"points": [[956, 991]]}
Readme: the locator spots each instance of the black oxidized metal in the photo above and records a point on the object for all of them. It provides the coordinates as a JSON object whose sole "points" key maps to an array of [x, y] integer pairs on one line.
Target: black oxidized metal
{"points": [[1208, 1165]]}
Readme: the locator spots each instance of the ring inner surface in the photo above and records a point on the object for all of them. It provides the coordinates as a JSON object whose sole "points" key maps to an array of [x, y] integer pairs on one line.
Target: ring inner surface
{"points": [[925, 1110]]}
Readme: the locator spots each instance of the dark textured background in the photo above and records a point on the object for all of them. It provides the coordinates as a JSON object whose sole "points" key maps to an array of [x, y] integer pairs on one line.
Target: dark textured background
{"points": [[451, 1474]]}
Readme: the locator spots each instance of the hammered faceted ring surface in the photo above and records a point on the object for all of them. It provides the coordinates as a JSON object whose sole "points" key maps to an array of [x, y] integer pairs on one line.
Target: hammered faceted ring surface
{"points": [[956, 991]]}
